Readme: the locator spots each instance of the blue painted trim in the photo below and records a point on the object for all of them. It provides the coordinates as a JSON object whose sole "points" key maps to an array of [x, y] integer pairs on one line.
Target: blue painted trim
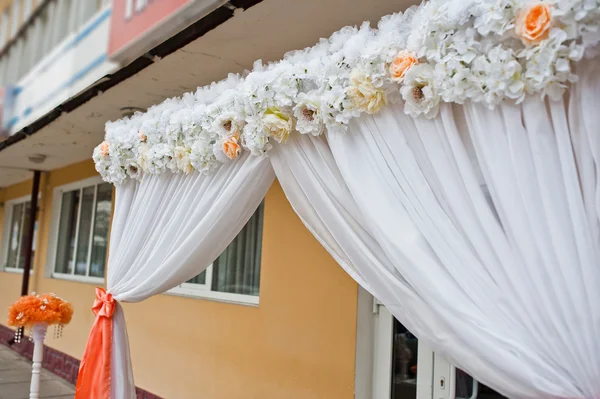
{"points": [[77, 39], [13, 121], [91, 27], [70, 82]]}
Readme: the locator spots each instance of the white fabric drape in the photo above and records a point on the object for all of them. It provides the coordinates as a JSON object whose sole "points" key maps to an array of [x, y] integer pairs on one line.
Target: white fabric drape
{"points": [[167, 229], [505, 287]]}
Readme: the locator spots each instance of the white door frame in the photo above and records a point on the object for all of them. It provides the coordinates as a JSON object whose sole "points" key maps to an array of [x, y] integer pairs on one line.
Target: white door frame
{"points": [[436, 376]]}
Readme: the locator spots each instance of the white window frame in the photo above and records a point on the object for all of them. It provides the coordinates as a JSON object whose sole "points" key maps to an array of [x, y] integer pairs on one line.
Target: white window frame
{"points": [[8, 213], [5, 26], [55, 226], [204, 291], [27, 9], [15, 14]]}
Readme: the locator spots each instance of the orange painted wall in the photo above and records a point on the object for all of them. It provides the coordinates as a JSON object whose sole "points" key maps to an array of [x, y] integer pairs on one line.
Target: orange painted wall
{"points": [[299, 342]]}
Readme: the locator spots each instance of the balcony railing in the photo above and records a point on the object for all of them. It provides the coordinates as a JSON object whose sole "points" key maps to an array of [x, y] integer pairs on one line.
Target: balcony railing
{"points": [[50, 23]]}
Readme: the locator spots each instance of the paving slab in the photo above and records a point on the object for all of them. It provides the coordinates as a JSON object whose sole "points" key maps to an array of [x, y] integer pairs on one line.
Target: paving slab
{"points": [[15, 376]]}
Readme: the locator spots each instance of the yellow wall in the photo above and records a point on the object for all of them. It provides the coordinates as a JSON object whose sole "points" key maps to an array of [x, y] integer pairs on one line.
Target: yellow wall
{"points": [[10, 283], [298, 343]]}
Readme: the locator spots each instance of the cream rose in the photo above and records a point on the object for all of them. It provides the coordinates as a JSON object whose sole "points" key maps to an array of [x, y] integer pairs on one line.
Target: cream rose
{"points": [[533, 23], [231, 147], [364, 95], [277, 124], [104, 148], [403, 61], [182, 159]]}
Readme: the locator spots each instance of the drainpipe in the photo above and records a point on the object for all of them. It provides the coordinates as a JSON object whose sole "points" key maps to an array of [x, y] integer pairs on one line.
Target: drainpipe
{"points": [[29, 239]]}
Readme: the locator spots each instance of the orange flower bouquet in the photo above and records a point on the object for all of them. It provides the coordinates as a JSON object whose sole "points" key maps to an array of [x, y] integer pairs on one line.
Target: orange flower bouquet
{"points": [[45, 309], [36, 312]]}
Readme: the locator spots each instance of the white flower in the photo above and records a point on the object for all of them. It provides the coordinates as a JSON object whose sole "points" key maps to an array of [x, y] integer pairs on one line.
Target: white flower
{"points": [[255, 136], [160, 158], [308, 115], [363, 93], [277, 124], [202, 157], [182, 159], [419, 92], [469, 50], [228, 124]]}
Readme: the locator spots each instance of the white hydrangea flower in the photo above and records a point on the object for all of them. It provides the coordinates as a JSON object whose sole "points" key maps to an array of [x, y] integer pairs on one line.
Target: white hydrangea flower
{"points": [[160, 158], [255, 136], [202, 157]]}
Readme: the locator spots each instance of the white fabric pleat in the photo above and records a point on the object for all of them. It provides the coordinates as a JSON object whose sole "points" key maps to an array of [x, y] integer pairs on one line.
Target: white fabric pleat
{"points": [[505, 287], [167, 229]]}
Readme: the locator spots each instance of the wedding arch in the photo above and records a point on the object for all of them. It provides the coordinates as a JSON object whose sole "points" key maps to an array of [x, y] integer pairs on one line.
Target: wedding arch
{"points": [[448, 159]]}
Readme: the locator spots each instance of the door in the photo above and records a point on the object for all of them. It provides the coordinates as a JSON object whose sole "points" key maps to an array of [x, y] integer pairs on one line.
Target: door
{"points": [[405, 368]]}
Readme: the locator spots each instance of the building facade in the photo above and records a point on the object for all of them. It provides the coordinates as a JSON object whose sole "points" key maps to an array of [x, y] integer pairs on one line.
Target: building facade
{"points": [[292, 333]]}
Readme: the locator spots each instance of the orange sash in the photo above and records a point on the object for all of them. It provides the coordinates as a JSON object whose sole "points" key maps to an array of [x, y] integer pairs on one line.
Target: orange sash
{"points": [[93, 381]]}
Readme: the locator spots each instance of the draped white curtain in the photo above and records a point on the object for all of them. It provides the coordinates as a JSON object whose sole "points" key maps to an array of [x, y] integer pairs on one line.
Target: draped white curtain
{"points": [[505, 286], [167, 229]]}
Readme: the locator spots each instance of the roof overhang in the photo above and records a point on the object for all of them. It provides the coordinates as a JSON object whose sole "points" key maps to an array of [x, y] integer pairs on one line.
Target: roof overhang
{"points": [[223, 42]]}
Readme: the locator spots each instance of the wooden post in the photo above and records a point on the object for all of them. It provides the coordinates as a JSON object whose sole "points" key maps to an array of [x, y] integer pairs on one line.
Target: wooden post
{"points": [[39, 334]]}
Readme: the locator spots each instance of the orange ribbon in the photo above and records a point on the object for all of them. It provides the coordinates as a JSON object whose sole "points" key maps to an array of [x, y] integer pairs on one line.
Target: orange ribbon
{"points": [[93, 381]]}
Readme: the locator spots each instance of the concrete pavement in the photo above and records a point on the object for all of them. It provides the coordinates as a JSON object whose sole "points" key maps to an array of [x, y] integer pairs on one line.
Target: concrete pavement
{"points": [[15, 375]]}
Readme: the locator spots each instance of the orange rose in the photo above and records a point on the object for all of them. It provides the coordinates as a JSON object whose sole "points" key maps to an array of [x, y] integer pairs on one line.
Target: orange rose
{"points": [[231, 148], [403, 61], [104, 149], [533, 23]]}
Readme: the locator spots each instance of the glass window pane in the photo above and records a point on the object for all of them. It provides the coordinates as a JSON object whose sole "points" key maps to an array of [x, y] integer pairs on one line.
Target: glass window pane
{"points": [[85, 228], [23, 237], [199, 279], [14, 235], [467, 387], [101, 226], [404, 362], [66, 232], [237, 269]]}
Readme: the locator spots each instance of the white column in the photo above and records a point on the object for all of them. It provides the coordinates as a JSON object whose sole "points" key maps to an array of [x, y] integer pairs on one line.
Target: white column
{"points": [[39, 334]]}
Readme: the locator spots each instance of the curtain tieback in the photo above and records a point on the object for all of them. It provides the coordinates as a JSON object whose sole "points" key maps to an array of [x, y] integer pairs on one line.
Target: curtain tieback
{"points": [[93, 380]]}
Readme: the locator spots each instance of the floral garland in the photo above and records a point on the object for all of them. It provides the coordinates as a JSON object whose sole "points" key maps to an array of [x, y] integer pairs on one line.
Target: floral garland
{"points": [[485, 51]]}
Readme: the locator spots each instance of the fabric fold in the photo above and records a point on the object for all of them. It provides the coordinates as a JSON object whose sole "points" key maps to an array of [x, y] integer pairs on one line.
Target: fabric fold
{"points": [[94, 378]]}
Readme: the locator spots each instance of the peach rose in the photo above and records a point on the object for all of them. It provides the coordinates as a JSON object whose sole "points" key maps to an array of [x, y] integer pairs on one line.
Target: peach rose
{"points": [[403, 61], [104, 149], [143, 138], [533, 23], [231, 148]]}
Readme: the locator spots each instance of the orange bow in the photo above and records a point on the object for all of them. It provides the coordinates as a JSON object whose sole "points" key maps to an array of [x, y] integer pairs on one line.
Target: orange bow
{"points": [[104, 305], [93, 381]]}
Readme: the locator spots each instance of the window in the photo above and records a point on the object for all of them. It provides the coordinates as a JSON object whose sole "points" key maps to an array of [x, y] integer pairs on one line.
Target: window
{"points": [[82, 220], [15, 234], [235, 275]]}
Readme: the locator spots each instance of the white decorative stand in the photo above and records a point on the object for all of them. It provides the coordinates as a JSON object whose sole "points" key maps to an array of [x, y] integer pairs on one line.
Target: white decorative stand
{"points": [[39, 334]]}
